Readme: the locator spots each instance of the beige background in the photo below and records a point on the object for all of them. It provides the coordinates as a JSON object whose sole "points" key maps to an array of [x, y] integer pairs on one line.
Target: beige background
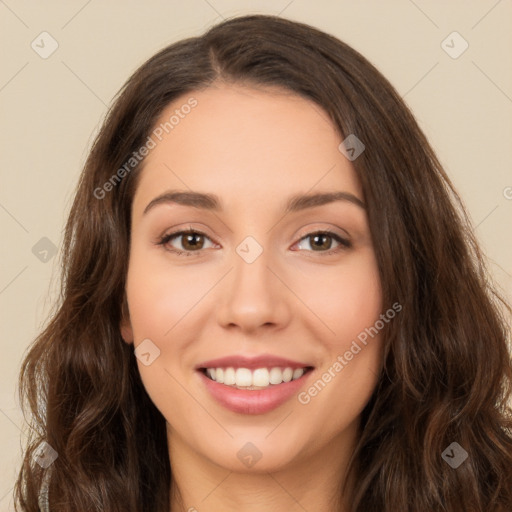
{"points": [[52, 107]]}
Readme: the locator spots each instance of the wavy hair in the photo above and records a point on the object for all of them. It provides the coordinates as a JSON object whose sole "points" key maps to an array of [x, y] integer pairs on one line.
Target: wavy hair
{"points": [[447, 372]]}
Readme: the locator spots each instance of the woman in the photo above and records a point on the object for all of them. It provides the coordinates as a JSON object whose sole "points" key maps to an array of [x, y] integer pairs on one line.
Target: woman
{"points": [[272, 300]]}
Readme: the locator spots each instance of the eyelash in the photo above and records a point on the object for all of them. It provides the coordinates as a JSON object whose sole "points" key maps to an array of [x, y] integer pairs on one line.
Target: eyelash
{"points": [[164, 240]]}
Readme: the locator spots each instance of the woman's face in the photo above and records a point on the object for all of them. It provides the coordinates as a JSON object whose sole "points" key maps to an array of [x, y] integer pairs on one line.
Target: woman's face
{"points": [[293, 283]]}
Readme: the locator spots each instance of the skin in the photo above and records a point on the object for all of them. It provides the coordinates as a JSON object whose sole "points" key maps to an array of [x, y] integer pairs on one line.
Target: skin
{"points": [[253, 148]]}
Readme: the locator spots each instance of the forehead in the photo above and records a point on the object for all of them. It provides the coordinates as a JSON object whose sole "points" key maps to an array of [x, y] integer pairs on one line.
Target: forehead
{"points": [[245, 145]]}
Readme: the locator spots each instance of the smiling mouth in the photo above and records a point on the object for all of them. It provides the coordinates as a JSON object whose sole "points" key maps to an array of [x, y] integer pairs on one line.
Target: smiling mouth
{"points": [[257, 379]]}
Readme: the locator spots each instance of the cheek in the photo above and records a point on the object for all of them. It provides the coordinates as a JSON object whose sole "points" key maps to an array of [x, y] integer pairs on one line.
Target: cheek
{"points": [[160, 295], [346, 298], [351, 306], [343, 299], [161, 300]]}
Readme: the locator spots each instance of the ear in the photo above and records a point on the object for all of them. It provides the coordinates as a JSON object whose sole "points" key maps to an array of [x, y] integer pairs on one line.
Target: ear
{"points": [[125, 325]]}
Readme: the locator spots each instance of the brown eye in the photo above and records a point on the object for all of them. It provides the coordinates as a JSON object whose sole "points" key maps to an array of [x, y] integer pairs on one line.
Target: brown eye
{"points": [[322, 241], [191, 241]]}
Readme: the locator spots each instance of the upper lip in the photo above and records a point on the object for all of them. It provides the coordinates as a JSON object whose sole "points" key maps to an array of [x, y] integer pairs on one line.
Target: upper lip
{"points": [[252, 363]]}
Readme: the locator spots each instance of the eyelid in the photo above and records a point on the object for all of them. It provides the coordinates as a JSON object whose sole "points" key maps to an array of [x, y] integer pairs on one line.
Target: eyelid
{"points": [[164, 239], [308, 231], [343, 241]]}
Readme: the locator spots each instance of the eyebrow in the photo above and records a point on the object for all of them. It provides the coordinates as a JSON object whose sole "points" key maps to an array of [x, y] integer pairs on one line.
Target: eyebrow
{"points": [[212, 202]]}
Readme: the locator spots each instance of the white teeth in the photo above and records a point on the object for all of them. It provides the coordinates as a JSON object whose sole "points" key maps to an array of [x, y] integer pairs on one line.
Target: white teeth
{"points": [[276, 376], [229, 376], [259, 378], [243, 377], [287, 375], [298, 373]]}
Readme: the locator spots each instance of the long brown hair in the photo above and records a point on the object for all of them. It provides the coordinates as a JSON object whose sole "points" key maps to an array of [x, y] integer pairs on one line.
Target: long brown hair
{"points": [[447, 372]]}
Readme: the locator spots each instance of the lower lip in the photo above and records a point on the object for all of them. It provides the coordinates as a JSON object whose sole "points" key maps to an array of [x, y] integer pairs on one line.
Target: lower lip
{"points": [[253, 401]]}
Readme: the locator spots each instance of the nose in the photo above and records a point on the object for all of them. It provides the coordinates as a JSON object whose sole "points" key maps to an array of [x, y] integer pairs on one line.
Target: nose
{"points": [[254, 295]]}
